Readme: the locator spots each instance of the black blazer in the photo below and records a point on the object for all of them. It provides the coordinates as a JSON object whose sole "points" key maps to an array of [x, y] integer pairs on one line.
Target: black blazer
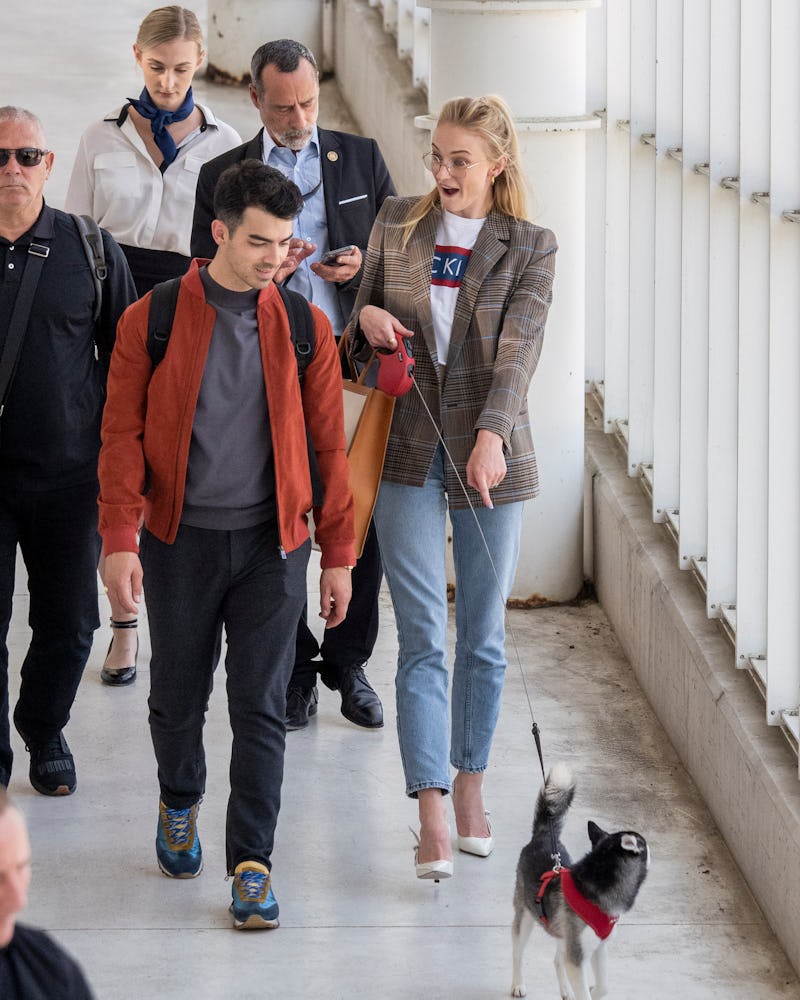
{"points": [[355, 182]]}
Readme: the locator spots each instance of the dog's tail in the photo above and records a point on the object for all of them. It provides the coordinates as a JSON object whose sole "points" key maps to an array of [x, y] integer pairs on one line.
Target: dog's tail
{"points": [[554, 800]]}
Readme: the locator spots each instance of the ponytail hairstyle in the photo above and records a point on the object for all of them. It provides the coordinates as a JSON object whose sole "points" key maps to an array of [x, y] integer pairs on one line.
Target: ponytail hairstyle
{"points": [[166, 24], [490, 119]]}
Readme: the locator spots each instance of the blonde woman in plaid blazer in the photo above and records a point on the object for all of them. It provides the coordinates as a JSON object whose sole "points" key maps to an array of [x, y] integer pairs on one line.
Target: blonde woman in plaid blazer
{"points": [[465, 276]]}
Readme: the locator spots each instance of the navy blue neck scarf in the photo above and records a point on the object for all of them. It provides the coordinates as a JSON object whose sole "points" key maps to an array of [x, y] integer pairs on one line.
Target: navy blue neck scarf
{"points": [[159, 119]]}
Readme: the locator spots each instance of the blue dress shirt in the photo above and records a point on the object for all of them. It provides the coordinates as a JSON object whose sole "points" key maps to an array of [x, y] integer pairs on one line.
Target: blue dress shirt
{"points": [[305, 169]]}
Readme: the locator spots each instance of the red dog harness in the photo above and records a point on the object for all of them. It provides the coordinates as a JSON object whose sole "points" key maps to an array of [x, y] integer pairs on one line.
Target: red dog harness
{"points": [[601, 923]]}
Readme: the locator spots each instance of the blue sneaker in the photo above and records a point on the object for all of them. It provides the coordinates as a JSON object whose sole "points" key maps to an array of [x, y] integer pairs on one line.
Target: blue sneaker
{"points": [[177, 844], [254, 905]]}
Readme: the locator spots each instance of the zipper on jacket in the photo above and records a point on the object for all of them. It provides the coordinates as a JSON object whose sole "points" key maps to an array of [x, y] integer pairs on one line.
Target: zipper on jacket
{"points": [[282, 551]]}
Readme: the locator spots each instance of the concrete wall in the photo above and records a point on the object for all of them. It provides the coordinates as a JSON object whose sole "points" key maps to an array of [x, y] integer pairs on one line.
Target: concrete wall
{"points": [[378, 91], [712, 712]]}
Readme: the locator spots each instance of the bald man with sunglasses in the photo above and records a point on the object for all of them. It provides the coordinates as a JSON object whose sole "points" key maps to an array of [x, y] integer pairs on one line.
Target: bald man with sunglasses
{"points": [[53, 365]]}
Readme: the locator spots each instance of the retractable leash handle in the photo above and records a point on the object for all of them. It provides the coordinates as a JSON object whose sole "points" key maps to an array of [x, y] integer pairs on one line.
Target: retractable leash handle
{"points": [[395, 369]]}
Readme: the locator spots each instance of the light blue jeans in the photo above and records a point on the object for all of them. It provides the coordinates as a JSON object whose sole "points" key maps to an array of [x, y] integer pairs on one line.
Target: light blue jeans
{"points": [[411, 530]]}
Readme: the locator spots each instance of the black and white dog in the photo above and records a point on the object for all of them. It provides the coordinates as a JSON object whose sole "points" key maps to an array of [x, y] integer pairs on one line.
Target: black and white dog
{"points": [[580, 903]]}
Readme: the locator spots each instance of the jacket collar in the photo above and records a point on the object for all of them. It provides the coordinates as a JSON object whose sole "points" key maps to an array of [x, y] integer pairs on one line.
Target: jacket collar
{"points": [[194, 283]]}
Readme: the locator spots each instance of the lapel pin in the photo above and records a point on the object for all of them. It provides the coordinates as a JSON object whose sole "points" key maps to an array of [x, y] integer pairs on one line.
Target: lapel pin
{"points": [[333, 156]]}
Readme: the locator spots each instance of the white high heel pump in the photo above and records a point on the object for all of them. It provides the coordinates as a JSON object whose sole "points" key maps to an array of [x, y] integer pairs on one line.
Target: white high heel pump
{"points": [[430, 869], [481, 846]]}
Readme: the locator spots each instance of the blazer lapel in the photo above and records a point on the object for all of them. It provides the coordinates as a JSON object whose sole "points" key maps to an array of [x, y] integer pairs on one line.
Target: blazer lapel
{"points": [[330, 164], [420, 259], [255, 148], [489, 248]]}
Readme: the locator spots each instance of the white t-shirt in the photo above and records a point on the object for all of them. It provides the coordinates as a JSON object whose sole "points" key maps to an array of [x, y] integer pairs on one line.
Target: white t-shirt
{"points": [[455, 238]]}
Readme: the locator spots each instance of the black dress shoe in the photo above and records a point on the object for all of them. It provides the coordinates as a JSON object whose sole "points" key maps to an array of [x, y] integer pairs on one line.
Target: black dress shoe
{"points": [[301, 704], [360, 704]]}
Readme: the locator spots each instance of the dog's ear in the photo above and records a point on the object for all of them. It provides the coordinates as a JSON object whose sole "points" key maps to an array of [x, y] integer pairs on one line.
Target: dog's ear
{"points": [[595, 833], [630, 842]]}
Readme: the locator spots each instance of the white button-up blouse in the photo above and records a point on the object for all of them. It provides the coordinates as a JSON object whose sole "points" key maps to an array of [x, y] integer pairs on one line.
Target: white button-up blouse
{"points": [[115, 181]]}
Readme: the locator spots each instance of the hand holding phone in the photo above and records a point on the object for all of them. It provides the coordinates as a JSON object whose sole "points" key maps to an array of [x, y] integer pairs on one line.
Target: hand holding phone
{"points": [[329, 257]]}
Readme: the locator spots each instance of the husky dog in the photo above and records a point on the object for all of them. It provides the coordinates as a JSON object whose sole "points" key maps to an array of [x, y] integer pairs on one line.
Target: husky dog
{"points": [[607, 880]]}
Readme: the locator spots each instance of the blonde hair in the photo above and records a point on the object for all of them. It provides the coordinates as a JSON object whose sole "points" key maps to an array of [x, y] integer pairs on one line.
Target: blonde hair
{"points": [[165, 24], [490, 119]]}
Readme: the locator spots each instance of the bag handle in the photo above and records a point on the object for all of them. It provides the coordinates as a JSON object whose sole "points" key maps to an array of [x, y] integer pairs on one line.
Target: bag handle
{"points": [[346, 360]]}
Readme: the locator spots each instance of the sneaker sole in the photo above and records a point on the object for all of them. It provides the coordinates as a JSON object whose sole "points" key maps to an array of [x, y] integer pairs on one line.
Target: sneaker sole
{"points": [[59, 790], [254, 923], [181, 874]]}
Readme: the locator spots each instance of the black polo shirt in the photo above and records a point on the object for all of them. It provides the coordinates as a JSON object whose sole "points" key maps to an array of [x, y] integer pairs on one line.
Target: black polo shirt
{"points": [[34, 967], [50, 426]]}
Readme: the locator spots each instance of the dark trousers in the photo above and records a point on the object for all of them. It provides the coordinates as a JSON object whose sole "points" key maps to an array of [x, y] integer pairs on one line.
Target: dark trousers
{"points": [[56, 531], [351, 643], [204, 580]]}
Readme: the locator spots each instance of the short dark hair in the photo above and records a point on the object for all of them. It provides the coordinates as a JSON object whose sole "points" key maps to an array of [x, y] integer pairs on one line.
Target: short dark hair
{"points": [[252, 184], [285, 53]]}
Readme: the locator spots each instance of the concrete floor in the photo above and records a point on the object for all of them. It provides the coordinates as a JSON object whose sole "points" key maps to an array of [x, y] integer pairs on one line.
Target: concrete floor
{"points": [[354, 920], [353, 917]]}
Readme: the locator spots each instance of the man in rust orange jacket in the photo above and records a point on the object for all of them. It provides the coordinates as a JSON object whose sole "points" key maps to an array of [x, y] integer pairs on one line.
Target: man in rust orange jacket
{"points": [[209, 448]]}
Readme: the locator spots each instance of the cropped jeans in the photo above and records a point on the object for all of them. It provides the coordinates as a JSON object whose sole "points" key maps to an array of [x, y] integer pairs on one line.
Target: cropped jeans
{"points": [[411, 523]]}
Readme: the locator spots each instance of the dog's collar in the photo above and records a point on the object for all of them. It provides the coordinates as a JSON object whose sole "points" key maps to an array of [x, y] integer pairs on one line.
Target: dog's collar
{"points": [[601, 923]]}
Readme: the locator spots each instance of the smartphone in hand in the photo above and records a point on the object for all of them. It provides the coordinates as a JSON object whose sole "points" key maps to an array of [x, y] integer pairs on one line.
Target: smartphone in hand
{"points": [[329, 257]]}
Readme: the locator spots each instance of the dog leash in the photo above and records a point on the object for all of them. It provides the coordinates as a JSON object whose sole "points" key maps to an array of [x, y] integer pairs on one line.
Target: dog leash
{"points": [[535, 731]]}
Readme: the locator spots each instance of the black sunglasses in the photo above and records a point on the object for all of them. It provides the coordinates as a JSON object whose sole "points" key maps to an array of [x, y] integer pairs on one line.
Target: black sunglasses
{"points": [[28, 156]]}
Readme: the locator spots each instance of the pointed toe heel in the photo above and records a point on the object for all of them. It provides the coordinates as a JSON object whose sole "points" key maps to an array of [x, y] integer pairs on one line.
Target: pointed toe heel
{"points": [[436, 870], [481, 847]]}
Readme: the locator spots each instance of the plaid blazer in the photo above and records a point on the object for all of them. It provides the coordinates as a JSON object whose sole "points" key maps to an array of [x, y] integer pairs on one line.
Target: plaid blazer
{"points": [[495, 343]]}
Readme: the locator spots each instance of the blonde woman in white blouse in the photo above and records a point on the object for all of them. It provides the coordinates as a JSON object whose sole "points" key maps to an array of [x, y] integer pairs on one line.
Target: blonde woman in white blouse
{"points": [[136, 173], [136, 170]]}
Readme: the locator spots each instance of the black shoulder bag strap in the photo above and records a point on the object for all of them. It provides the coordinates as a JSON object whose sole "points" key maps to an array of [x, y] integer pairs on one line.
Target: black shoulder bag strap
{"points": [[37, 255]]}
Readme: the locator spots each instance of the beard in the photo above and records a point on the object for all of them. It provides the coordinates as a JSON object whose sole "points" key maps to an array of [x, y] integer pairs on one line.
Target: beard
{"points": [[295, 139]]}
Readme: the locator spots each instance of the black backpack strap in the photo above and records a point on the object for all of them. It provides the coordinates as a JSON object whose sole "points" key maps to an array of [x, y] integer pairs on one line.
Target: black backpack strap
{"points": [[37, 255], [92, 241], [163, 302], [301, 325]]}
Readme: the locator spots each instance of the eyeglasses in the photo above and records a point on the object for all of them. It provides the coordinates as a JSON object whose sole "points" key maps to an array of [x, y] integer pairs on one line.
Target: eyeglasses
{"points": [[28, 156], [457, 169]]}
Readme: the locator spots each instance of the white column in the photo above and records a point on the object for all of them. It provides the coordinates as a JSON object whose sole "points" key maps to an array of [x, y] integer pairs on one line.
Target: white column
{"points": [[754, 290], [533, 54], [783, 574], [693, 497], [617, 217], [641, 347], [237, 27], [667, 235], [723, 306]]}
